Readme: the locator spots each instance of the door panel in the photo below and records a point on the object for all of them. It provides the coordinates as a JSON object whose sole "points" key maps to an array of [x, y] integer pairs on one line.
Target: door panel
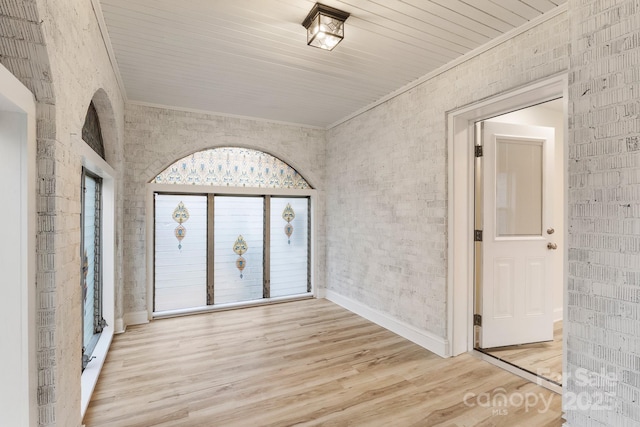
{"points": [[534, 301], [518, 268], [503, 294]]}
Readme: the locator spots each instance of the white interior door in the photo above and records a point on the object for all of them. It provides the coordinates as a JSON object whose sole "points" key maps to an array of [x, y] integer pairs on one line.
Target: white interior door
{"points": [[519, 256]]}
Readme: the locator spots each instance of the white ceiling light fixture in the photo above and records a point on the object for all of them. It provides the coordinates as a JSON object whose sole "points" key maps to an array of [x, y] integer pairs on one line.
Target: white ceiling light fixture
{"points": [[325, 26]]}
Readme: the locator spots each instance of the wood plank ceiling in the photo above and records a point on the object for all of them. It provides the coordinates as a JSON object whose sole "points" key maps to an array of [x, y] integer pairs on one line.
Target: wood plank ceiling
{"points": [[250, 58]]}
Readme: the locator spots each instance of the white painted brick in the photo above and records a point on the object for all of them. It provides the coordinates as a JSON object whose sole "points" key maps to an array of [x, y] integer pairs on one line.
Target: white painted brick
{"points": [[63, 67], [603, 322], [387, 181]]}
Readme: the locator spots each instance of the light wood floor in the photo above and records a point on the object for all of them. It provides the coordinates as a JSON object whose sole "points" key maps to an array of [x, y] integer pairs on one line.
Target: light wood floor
{"points": [[302, 363], [543, 358]]}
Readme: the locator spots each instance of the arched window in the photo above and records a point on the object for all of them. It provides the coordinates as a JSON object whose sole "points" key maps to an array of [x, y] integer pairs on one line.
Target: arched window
{"points": [[91, 242], [91, 133], [97, 253], [233, 167], [230, 226]]}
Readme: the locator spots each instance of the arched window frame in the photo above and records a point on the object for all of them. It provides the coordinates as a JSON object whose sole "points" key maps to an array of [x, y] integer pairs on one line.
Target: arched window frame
{"points": [[232, 167], [221, 190], [93, 162]]}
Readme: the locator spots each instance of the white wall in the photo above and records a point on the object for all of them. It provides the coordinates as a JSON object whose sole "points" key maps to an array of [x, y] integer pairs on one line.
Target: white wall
{"points": [[602, 318], [387, 183], [60, 56], [550, 115]]}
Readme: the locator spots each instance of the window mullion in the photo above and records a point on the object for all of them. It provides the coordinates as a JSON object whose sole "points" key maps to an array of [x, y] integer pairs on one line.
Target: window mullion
{"points": [[266, 263], [309, 244], [210, 248], [97, 295], [83, 189]]}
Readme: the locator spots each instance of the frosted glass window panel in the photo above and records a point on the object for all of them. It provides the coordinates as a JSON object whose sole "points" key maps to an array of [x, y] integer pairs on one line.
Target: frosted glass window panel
{"points": [[180, 265], [234, 167], [89, 258], [518, 187], [289, 255], [235, 217]]}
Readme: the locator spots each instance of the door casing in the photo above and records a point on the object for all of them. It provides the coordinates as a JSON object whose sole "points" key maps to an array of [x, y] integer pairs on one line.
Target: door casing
{"points": [[19, 389], [460, 141]]}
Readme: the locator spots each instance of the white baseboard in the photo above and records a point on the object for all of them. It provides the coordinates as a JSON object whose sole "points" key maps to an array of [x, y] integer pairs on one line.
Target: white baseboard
{"points": [[557, 314], [119, 326], [431, 342], [135, 318]]}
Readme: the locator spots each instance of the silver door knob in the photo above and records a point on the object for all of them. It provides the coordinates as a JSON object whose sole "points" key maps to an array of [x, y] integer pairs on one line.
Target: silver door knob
{"points": [[550, 231], [552, 246]]}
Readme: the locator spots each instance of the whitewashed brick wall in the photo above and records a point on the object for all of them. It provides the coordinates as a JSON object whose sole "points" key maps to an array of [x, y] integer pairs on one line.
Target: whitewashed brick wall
{"points": [[24, 54], [387, 180], [603, 313], [56, 50], [79, 68], [157, 137]]}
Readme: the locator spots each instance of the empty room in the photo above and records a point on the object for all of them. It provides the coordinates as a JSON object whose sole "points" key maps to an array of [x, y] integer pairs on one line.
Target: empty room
{"points": [[283, 212]]}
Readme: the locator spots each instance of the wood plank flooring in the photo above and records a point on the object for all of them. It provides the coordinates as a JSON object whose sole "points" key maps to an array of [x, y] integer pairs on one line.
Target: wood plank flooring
{"points": [[543, 358], [304, 363]]}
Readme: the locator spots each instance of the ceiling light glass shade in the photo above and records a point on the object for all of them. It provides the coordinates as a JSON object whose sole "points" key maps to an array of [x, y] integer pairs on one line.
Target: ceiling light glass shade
{"points": [[325, 26]]}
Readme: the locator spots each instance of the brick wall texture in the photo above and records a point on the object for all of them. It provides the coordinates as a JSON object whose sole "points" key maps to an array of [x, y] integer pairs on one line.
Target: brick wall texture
{"points": [[387, 180], [603, 309], [24, 53], [382, 183], [56, 50]]}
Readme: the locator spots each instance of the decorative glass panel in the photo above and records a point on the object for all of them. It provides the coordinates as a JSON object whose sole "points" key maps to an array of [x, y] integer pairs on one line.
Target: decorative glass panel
{"points": [[238, 254], [180, 252], [289, 246], [233, 167], [518, 188]]}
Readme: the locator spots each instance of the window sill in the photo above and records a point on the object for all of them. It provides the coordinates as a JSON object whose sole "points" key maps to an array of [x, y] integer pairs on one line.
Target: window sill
{"points": [[92, 371]]}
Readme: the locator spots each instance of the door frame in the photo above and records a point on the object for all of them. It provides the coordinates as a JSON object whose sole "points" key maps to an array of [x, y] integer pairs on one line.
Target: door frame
{"points": [[460, 252], [18, 300]]}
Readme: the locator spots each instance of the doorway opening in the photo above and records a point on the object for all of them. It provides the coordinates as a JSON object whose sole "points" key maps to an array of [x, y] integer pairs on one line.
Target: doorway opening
{"points": [[461, 209], [518, 229], [18, 188]]}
